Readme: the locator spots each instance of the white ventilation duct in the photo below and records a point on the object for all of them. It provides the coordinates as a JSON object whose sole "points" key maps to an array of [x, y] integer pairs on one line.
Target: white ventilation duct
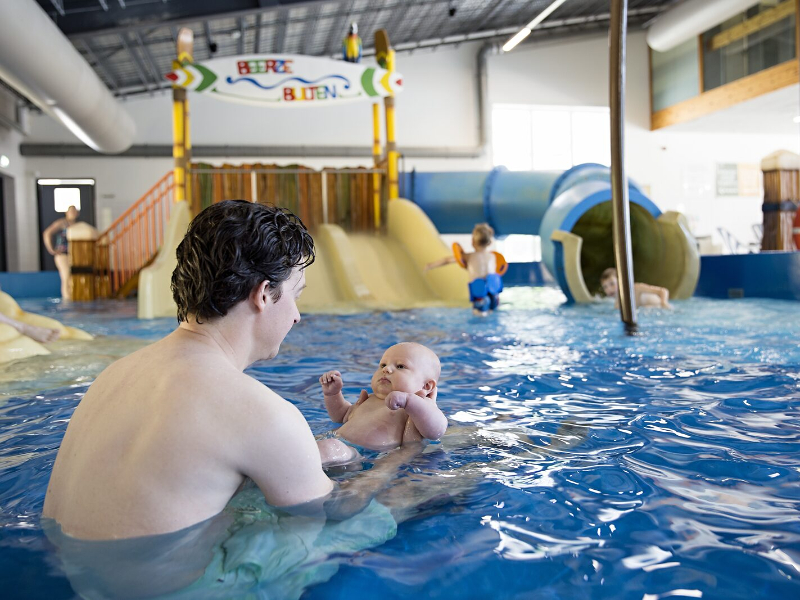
{"points": [[691, 18], [40, 62]]}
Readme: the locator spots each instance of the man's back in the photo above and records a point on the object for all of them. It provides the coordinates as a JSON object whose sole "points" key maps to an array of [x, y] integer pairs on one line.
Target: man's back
{"points": [[159, 442]]}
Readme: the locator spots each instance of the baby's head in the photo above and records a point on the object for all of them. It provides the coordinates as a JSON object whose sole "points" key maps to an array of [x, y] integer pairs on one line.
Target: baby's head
{"points": [[608, 281], [406, 367], [482, 236]]}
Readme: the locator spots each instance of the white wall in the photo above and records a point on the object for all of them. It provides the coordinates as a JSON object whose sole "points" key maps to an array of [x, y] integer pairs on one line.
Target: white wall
{"points": [[575, 73], [21, 213], [436, 109]]}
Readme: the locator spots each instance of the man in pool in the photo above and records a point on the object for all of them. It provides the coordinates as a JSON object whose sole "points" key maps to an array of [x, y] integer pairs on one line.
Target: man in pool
{"points": [[401, 408], [166, 436], [644, 294]]}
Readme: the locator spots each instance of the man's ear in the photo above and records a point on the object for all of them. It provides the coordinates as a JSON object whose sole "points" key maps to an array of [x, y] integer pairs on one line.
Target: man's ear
{"points": [[260, 296]]}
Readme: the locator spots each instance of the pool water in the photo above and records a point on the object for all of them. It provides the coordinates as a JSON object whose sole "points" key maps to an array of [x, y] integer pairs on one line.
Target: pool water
{"points": [[665, 465]]}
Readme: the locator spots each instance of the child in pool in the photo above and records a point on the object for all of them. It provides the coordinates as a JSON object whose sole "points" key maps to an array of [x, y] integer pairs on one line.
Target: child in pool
{"points": [[484, 267], [644, 294], [401, 408]]}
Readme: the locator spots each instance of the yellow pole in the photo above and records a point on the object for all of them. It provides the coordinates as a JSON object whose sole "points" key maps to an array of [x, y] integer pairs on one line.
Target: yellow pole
{"points": [[376, 155], [181, 141], [391, 146]]}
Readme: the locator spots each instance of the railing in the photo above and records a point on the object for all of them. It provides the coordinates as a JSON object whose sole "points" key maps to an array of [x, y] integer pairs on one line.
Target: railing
{"points": [[134, 238], [344, 197]]}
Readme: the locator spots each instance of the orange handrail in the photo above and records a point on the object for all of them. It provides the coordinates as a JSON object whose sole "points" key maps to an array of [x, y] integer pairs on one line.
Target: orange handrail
{"points": [[134, 238]]}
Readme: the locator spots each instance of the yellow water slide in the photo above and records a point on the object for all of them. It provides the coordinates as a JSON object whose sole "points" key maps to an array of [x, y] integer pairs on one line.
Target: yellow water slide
{"points": [[383, 271], [14, 345], [352, 272]]}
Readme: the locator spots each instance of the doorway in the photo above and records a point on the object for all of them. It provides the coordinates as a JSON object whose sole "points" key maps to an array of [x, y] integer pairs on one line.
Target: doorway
{"points": [[55, 196], [6, 191]]}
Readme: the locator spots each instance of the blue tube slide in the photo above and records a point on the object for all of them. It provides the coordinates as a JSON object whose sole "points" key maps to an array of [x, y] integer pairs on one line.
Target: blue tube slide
{"points": [[571, 211]]}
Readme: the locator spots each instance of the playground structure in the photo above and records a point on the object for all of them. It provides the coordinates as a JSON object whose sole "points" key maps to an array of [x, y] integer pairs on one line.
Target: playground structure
{"points": [[571, 211], [372, 246]]}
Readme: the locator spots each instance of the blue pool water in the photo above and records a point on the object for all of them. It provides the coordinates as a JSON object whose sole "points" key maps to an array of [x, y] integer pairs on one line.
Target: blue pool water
{"points": [[601, 466]]}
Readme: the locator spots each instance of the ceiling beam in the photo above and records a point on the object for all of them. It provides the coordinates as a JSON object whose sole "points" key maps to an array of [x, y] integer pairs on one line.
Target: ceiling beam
{"points": [[148, 55], [242, 31], [338, 31], [59, 6], [137, 62], [310, 30], [283, 25], [104, 68], [257, 41]]}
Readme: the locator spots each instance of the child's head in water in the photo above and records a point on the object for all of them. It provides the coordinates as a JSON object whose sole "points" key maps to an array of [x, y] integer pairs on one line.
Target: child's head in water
{"points": [[608, 281], [482, 236], [406, 367]]}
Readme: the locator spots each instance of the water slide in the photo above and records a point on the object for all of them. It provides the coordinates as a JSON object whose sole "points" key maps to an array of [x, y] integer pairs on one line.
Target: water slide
{"points": [[571, 211], [385, 272]]}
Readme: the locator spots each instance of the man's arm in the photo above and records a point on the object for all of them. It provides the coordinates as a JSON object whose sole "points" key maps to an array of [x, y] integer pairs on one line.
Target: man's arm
{"points": [[277, 450], [426, 416]]}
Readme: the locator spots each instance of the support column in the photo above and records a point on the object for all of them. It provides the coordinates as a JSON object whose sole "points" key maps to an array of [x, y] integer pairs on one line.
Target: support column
{"points": [[181, 138]]}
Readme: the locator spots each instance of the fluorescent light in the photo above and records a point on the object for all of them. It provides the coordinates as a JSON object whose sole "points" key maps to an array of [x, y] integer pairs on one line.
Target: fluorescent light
{"points": [[521, 35], [65, 181], [525, 31], [796, 119]]}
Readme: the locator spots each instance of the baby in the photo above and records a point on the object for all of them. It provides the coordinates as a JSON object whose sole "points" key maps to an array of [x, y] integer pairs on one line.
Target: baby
{"points": [[401, 408], [644, 294]]}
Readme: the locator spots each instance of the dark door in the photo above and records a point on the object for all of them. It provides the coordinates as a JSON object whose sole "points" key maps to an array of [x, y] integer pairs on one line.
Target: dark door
{"points": [[55, 197], [4, 181]]}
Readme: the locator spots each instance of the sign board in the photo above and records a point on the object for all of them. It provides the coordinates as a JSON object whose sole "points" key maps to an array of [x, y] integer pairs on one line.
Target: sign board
{"points": [[286, 80]]}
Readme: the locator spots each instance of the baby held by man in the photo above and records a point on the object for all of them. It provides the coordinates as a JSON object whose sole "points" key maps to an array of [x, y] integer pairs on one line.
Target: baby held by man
{"points": [[401, 408]]}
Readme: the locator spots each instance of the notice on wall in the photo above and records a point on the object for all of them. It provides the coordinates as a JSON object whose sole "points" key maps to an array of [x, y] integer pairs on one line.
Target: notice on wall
{"points": [[738, 180], [727, 179], [750, 180]]}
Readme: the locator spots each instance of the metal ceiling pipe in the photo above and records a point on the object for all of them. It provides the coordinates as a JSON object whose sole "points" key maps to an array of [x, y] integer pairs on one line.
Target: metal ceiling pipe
{"points": [[691, 18], [39, 62]]}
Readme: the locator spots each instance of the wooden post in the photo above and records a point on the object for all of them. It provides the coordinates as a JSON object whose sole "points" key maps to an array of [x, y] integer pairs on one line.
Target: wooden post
{"points": [[781, 195], [181, 138], [376, 156]]}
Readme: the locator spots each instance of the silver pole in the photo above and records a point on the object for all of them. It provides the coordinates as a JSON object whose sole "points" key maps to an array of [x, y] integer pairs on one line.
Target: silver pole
{"points": [[619, 181]]}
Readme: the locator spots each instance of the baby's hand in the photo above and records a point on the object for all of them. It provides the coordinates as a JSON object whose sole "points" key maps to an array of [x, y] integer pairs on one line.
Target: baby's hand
{"points": [[331, 383], [396, 400]]}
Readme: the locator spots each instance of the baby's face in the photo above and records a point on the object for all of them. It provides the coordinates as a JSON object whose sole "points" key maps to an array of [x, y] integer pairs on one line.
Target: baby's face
{"points": [[610, 286], [404, 368]]}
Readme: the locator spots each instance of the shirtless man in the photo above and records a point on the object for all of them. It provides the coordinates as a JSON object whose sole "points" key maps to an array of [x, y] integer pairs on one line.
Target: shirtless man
{"points": [[166, 436]]}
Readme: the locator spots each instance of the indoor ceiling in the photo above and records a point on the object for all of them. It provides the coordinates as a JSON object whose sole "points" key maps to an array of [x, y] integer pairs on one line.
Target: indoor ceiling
{"points": [[131, 43]]}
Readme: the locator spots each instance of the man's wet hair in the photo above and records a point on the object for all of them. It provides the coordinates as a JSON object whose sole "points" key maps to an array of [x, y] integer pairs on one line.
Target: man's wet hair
{"points": [[229, 249]]}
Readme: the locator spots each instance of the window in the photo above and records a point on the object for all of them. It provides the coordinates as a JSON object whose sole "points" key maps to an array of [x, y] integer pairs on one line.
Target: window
{"points": [[66, 197], [545, 138]]}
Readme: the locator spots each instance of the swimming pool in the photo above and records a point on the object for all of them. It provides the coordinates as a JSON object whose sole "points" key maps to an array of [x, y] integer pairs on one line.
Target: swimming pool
{"points": [[679, 476]]}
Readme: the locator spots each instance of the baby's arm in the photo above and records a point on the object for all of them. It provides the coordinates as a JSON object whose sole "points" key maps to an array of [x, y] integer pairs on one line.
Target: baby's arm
{"points": [[335, 403], [426, 416]]}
